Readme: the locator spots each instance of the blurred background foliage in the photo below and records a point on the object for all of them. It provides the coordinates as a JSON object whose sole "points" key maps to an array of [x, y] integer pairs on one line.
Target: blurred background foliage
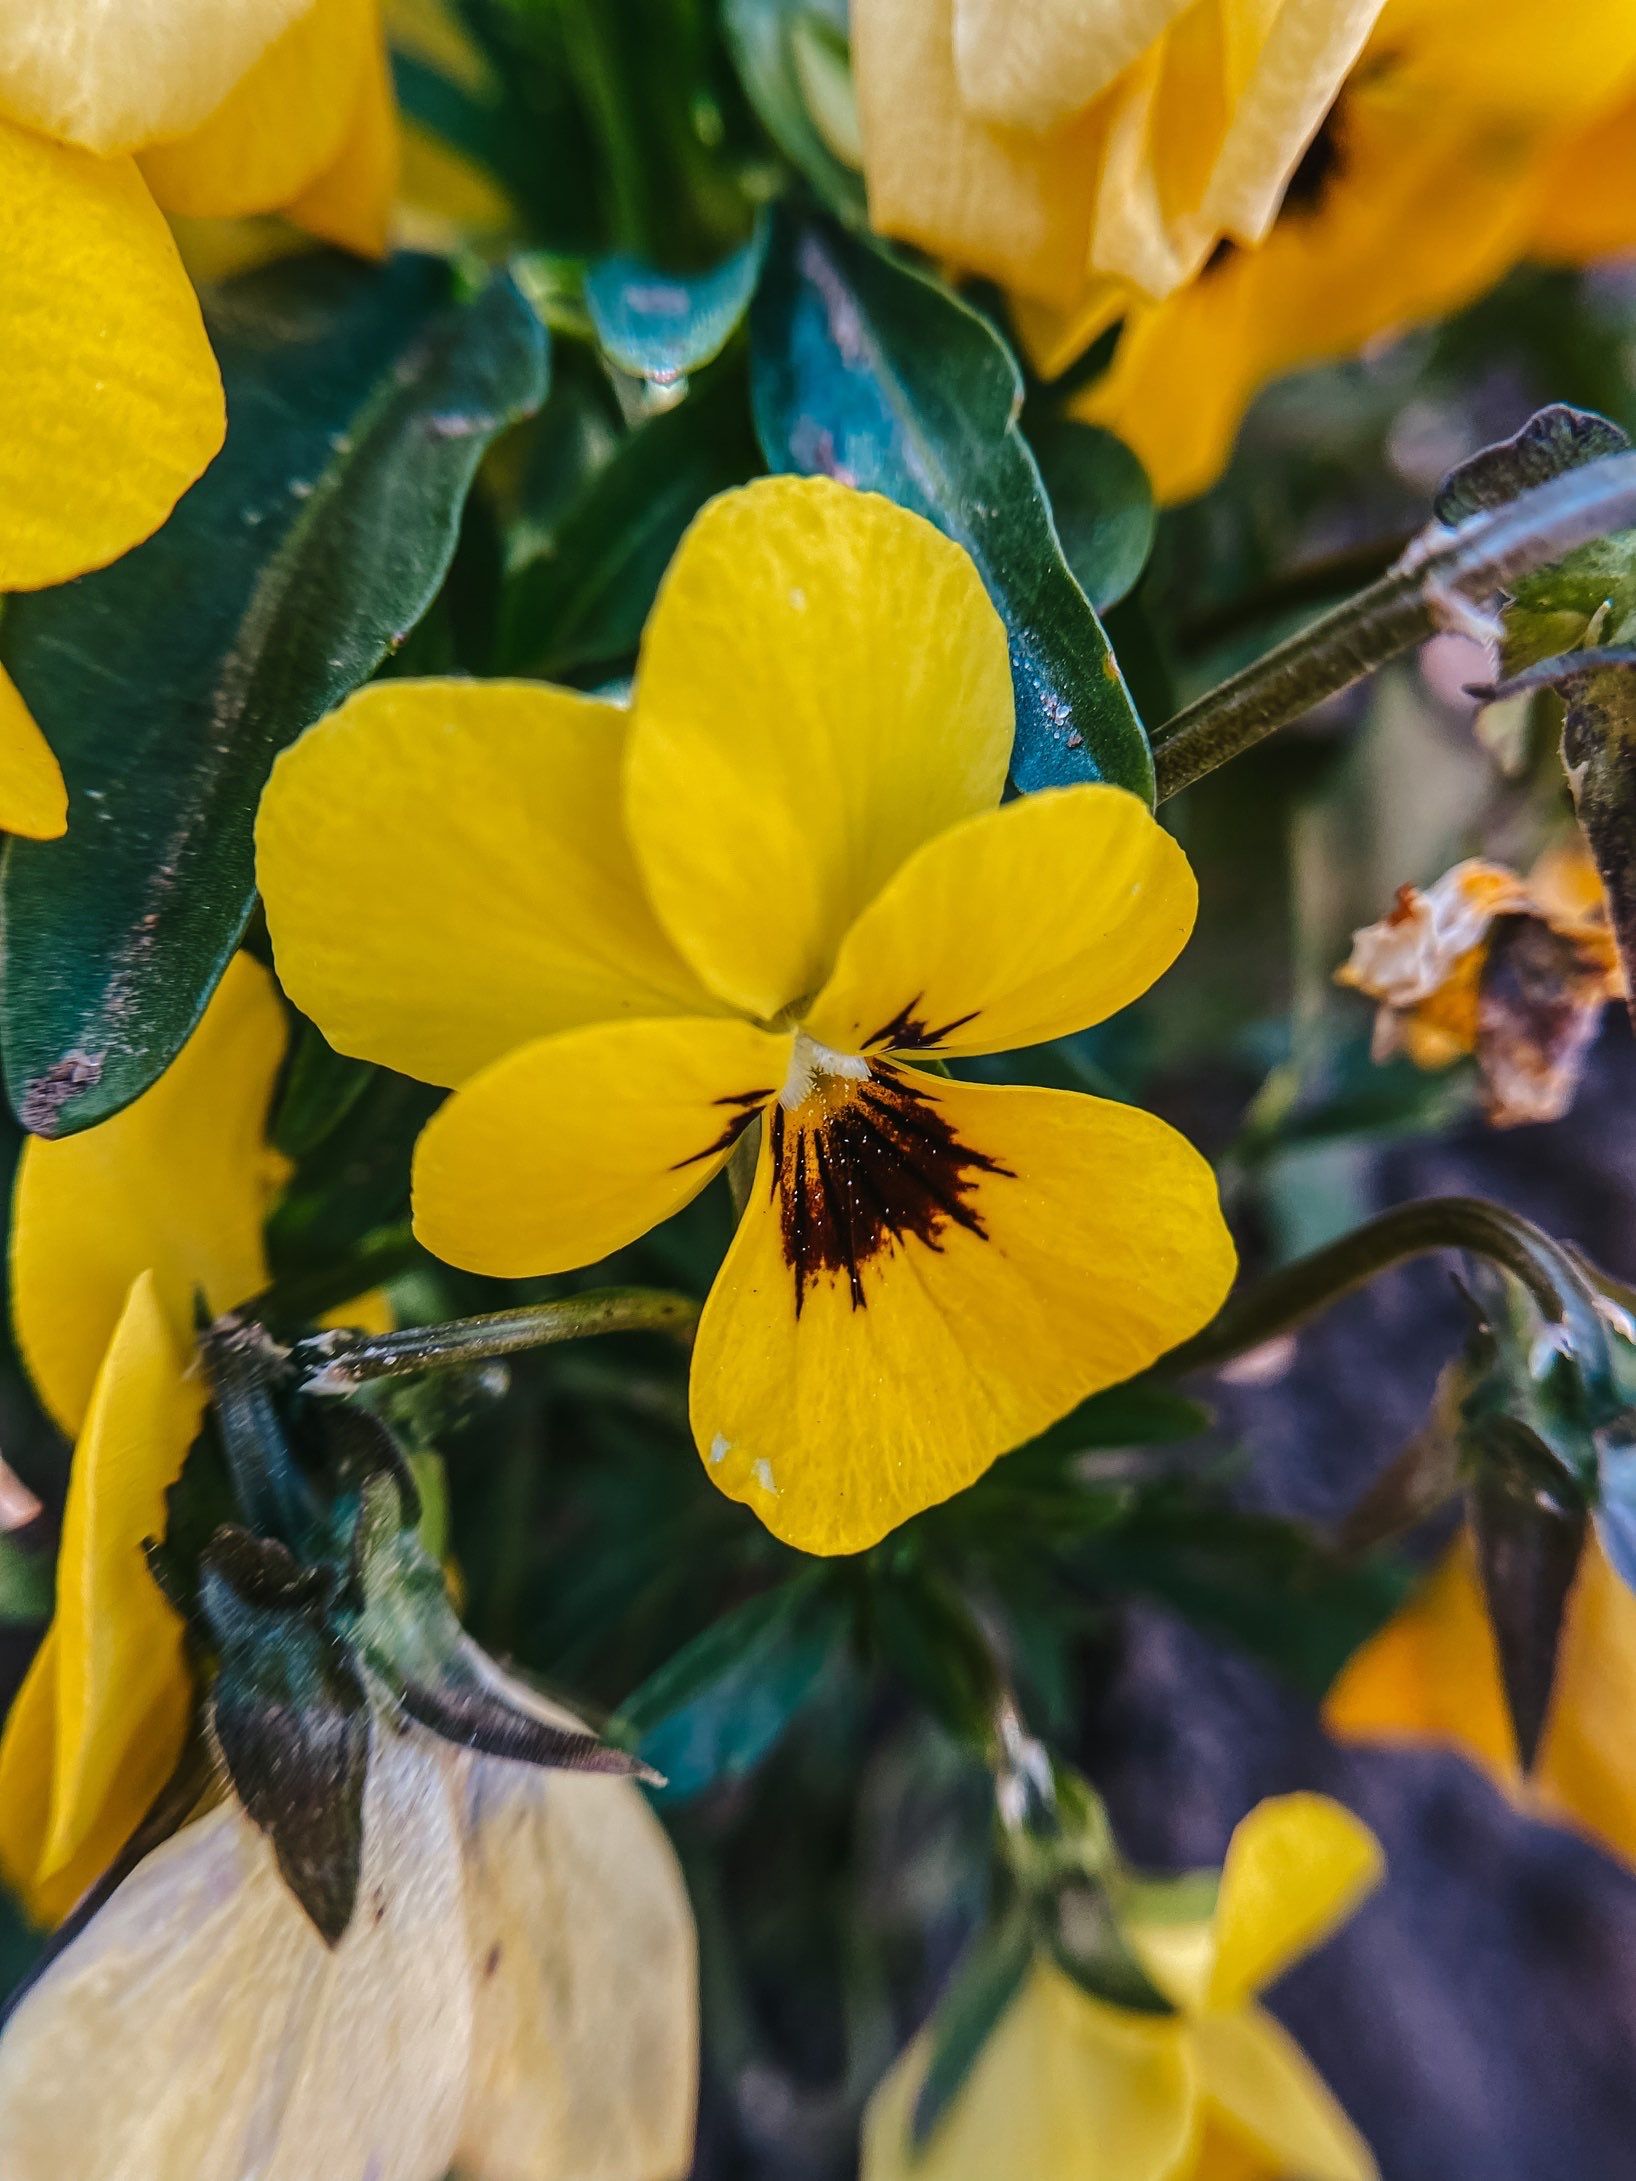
{"points": [[1159, 1573]]}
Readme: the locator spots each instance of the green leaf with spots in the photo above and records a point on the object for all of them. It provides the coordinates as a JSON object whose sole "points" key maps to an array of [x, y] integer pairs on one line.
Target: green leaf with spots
{"points": [[875, 374], [360, 401]]}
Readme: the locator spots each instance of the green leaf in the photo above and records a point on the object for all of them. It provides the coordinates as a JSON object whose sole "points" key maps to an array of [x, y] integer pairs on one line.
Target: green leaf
{"points": [[291, 1718], [1529, 1527], [663, 326], [774, 44], [715, 1709], [988, 1979], [1102, 502], [869, 372], [360, 403], [25, 1584], [581, 604]]}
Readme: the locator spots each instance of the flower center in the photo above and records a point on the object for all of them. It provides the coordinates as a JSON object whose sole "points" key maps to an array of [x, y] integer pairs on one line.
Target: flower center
{"points": [[865, 1161]]}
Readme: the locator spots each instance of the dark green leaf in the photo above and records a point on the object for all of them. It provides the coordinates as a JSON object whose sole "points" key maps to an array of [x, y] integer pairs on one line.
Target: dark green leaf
{"points": [[1088, 1943], [291, 1719], [715, 1710], [1554, 440], [1529, 1528], [988, 1979], [766, 41], [361, 401], [25, 1583], [1103, 504], [582, 603], [872, 373], [663, 326]]}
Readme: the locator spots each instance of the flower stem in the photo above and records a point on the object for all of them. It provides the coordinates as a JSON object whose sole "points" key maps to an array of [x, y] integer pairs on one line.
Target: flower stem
{"points": [[1445, 570], [1296, 1293], [338, 1362]]}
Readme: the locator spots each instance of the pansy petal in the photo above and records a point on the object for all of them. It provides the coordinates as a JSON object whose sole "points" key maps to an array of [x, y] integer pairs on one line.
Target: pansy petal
{"points": [[1263, 2086], [1007, 202], [1297, 1866], [927, 1274], [823, 686], [280, 126], [1034, 62], [28, 1755], [114, 78], [1023, 924], [178, 1183], [446, 876], [575, 1145], [582, 1944], [118, 1683], [106, 357], [350, 203], [1065, 2089], [33, 800], [199, 2027]]}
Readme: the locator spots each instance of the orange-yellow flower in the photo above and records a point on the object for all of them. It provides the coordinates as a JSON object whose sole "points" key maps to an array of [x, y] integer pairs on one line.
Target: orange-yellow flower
{"points": [[777, 887], [1432, 1677]]}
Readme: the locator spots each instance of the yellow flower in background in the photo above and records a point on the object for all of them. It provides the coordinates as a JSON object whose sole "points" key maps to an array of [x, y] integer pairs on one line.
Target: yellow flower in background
{"points": [[1074, 150], [114, 1233], [1485, 964], [1431, 1677], [1070, 2088], [515, 1996], [110, 117], [777, 886], [1462, 142]]}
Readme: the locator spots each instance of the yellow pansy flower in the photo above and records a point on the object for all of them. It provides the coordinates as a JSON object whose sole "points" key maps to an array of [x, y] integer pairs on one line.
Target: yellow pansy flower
{"points": [[1432, 1676], [1068, 148], [515, 1996], [110, 117], [1071, 2088], [777, 886], [1462, 142], [114, 1234]]}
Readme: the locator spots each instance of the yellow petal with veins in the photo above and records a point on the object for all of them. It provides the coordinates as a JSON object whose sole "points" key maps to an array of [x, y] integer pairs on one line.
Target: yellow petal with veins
{"points": [[575, 1145], [1034, 62], [33, 800], [116, 78], [1022, 924], [178, 1183], [106, 358], [280, 126], [112, 1671], [823, 686], [1297, 1866], [1065, 2089], [446, 876], [927, 1274]]}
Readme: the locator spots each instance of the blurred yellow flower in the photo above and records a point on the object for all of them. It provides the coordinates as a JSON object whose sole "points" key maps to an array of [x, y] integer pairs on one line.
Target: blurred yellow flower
{"points": [[114, 1233], [516, 1996], [110, 117], [1513, 971], [1432, 1677], [1070, 2088], [776, 888], [1073, 150], [1462, 141]]}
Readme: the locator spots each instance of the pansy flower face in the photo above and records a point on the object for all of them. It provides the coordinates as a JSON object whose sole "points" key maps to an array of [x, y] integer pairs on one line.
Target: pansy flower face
{"points": [[781, 890]]}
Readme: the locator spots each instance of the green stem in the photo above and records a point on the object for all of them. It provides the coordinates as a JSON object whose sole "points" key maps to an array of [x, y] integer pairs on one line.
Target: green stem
{"points": [[1296, 1293], [338, 1362], [1444, 570]]}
